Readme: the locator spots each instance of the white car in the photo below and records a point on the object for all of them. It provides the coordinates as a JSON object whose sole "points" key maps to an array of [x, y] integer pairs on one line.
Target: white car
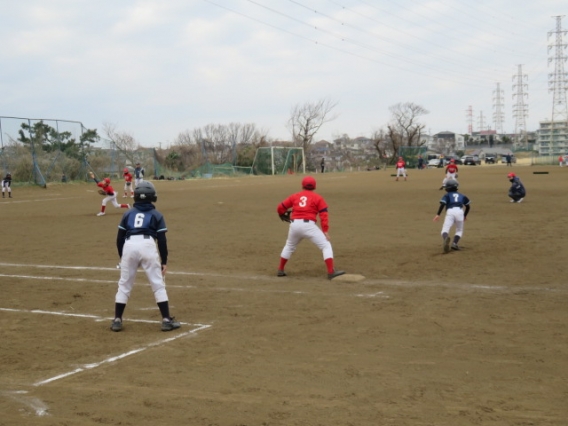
{"points": [[434, 163]]}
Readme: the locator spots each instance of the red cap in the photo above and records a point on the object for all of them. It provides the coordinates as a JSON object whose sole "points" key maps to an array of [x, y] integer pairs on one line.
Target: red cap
{"points": [[511, 176], [309, 183]]}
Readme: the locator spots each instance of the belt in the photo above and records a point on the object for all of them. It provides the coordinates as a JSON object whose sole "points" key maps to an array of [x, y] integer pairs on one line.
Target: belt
{"points": [[146, 237], [304, 220]]}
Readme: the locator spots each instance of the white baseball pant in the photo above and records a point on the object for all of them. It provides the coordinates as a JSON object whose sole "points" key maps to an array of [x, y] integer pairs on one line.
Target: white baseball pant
{"points": [[448, 177], [401, 172], [112, 199], [140, 251], [454, 216], [299, 230]]}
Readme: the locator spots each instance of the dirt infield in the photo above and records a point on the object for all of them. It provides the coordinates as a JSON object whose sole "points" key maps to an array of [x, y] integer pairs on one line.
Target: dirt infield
{"points": [[476, 337]]}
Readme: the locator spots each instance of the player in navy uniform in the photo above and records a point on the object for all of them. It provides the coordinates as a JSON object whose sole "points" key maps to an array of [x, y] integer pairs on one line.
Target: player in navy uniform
{"points": [[7, 185], [454, 203], [517, 191], [141, 241]]}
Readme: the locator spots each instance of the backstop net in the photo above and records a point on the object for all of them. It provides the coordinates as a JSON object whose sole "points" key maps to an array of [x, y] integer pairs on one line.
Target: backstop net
{"points": [[410, 155], [279, 160]]}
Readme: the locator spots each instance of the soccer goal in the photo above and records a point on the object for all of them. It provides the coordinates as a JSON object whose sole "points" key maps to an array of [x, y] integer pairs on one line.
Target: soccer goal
{"points": [[279, 160]]}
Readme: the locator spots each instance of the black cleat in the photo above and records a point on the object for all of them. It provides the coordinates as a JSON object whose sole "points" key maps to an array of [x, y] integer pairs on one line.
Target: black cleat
{"points": [[116, 325], [446, 245], [335, 274], [455, 247], [170, 324], [280, 273]]}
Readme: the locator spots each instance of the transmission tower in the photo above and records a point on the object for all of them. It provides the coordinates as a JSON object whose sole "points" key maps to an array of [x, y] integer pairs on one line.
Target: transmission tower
{"points": [[469, 119], [558, 85], [481, 122], [498, 115], [520, 108]]}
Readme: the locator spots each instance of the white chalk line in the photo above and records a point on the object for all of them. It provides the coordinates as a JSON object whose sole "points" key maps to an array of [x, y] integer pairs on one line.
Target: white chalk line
{"points": [[91, 366], [40, 408], [37, 405], [385, 282], [15, 201], [236, 289]]}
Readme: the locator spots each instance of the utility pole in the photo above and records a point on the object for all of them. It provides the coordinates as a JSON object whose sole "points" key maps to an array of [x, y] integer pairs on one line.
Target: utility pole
{"points": [[498, 115], [520, 108], [558, 85]]}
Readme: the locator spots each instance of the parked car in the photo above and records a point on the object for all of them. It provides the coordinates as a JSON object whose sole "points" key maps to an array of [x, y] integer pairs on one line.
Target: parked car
{"points": [[504, 158], [490, 159], [457, 160], [471, 160], [435, 163]]}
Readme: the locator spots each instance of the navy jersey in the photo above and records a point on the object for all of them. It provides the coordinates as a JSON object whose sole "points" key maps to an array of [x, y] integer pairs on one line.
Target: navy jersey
{"points": [[454, 199], [517, 188], [143, 219]]}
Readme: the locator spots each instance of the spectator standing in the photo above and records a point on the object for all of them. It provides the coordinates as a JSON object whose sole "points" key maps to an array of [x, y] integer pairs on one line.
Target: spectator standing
{"points": [[420, 162], [322, 164]]}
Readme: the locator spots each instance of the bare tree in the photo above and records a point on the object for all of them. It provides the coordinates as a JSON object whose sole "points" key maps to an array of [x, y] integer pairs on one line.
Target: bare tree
{"points": [[405, 128], [382, 145], [306, 119], [122, 141]]}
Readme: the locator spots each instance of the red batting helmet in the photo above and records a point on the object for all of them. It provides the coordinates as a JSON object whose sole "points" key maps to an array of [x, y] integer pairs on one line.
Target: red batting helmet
{"points": [[126, 170], [106, 181], [309, 183]]}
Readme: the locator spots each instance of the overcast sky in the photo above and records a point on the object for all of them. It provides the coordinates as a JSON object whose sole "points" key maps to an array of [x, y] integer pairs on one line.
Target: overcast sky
{"points": [[157, 68]]}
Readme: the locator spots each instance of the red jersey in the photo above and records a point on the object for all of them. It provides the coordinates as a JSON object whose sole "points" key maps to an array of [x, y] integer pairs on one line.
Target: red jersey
{"points": [[400, 164], [452, 168], [106, 188], [127, 177], [306, 205]]}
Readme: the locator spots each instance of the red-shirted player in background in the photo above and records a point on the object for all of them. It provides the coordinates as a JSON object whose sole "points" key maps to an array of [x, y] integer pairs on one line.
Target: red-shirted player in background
{"points": [[400, 168], [306, 205], [110, 195], [128, 183], [451, 172]]}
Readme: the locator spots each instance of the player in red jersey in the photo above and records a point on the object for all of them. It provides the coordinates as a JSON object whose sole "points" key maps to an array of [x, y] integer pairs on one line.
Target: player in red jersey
{"points": [[451, 173], [400, 168], [306, 205], [109, 193], [128, 183]]}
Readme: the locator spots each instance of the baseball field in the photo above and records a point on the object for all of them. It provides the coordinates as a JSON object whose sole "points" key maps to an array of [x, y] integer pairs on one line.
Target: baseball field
{"points": [[472, 337]]}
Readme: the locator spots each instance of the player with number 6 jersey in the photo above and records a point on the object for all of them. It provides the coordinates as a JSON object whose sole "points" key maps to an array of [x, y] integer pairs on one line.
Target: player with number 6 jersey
{"points": [[306, 206], [141, 241]]}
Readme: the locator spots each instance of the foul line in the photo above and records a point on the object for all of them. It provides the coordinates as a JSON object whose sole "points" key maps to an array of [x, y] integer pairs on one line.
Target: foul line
{"points": [[384, 282]]}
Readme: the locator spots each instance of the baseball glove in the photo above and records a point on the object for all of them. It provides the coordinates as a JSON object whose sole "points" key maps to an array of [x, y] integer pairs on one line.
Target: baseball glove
{"points": [[286, 216], [102, 192]]}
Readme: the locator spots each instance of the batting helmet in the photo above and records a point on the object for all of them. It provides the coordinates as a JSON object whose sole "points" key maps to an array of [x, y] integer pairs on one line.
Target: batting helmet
{"points": [[145, 193], [106, 181], [451, 185], [309, 183], [126, 170]]}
